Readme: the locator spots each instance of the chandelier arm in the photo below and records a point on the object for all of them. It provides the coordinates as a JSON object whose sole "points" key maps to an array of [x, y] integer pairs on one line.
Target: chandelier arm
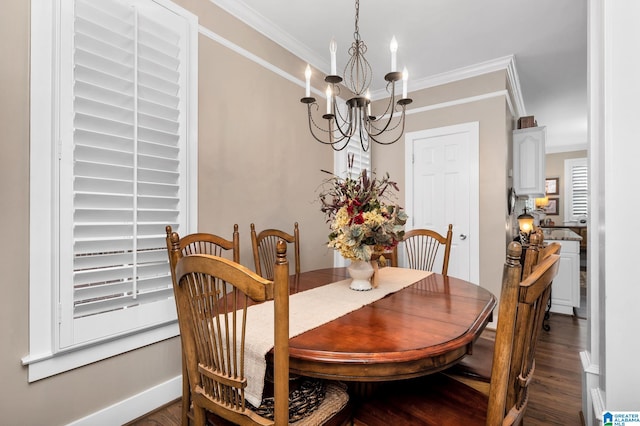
{"points": [[331, 142], [400, 121], [389, 108], [337, 112], [350, 122], [335, 143], [386, 142], [364, 137], [387, 128], [386, 125], [311, 120], [400, 106], [316, 125], [335, 146], [349, 134]]}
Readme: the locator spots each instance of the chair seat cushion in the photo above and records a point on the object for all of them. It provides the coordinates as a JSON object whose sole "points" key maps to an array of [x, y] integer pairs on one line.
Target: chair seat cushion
{"points": [[431, 400], [306, 407], [477, 365], [335, 400], [306, 397]]}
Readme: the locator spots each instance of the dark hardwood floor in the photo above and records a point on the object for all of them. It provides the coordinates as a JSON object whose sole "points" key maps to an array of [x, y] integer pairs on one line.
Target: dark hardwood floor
{"points": [[555, 395]]}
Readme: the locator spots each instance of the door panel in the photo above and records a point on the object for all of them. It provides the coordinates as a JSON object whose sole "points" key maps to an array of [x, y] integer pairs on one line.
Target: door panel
{"points": [[442, 188]]}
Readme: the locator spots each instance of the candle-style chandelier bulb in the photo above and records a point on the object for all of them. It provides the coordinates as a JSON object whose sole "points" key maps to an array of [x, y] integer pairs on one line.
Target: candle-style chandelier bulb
{"points": [[333, 48]]}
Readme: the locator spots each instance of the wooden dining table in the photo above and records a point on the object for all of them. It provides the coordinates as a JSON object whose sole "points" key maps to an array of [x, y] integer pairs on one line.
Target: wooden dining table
{"points": [[419, 330]]}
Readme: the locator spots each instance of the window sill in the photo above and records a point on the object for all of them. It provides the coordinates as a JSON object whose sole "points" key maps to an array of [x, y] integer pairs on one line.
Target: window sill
{"points": [[45, 365]]}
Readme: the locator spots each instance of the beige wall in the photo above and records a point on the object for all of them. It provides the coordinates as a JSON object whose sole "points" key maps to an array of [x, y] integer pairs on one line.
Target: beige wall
{"points": [[14, 192], [495, 158], [555, 169], [257, 164]]}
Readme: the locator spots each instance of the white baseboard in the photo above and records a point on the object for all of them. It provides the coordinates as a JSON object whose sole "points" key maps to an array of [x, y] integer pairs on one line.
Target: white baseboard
{"points": [[590, 381], [559, 308], [135, 406], [598, 405]]}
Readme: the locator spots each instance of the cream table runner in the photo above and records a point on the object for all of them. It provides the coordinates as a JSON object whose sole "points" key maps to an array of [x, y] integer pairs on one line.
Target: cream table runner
{"points": [[310, 309]]}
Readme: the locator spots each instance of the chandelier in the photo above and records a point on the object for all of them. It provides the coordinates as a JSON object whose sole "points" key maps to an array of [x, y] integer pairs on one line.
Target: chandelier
{"points": [[356, 119]]}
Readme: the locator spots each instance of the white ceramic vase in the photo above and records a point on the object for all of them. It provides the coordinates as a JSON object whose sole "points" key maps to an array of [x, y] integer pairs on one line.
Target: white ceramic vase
{"points": [[360, 272]]}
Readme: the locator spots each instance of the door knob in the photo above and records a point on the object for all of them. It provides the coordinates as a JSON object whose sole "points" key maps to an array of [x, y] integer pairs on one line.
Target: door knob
{"points": [[463, 237]]}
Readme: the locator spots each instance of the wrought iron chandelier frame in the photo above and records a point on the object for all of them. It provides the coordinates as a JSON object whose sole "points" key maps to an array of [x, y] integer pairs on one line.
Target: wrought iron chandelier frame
{"points": [[358, 119]]}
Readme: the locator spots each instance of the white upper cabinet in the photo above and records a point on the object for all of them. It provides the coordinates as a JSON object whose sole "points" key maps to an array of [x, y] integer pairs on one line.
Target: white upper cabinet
{"points": [[529, 161]]}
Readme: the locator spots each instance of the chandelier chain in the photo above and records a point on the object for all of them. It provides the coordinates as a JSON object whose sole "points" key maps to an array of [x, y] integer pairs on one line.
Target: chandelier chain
{"points": [[356, 35]]}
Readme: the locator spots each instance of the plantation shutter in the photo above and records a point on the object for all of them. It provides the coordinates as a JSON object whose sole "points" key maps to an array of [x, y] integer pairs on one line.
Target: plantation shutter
{"points": [[127, 169], [579, 190]]}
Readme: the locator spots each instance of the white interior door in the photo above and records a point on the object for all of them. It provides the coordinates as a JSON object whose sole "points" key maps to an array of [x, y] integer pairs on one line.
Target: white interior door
{"points": [[442, 187]]}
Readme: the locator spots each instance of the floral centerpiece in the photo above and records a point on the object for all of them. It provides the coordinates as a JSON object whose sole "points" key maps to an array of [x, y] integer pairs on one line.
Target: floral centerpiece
{"points": [[364, 221]]}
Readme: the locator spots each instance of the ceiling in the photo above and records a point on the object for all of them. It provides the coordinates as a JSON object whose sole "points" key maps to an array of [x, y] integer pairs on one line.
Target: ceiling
{"points": [[547, 39]]}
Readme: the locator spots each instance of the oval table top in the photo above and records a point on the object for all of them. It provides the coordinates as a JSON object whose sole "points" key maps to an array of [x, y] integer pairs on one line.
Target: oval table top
{"points": [[422, 329]]}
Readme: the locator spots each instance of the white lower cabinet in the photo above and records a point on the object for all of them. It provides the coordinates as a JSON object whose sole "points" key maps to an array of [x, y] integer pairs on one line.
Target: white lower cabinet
{"points": [[565, 291]]}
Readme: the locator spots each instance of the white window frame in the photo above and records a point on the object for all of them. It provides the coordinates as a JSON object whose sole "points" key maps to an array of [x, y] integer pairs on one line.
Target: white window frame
{"points": [[569, 164], [45, 358]]}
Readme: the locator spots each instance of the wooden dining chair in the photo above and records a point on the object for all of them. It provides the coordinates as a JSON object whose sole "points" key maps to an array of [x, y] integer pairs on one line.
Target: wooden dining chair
{"points": [[388, 258], [198, 243], [264, 249], [440, 399], [422, 245], [213, 294], [475, 369]]}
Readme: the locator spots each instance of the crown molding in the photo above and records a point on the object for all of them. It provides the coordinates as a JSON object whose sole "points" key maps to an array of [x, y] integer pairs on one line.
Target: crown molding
{"points": [[514, 84], [505, 63], [462, 101], [273, 32]]}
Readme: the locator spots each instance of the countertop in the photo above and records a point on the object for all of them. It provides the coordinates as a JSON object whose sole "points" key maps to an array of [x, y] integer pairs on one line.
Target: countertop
{"points": [[556, 233], [566, 225]]}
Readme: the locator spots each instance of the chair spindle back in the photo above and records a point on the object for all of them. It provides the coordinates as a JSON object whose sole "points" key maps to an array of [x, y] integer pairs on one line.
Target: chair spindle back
{"points": [[422, 246], [264, 249]]}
